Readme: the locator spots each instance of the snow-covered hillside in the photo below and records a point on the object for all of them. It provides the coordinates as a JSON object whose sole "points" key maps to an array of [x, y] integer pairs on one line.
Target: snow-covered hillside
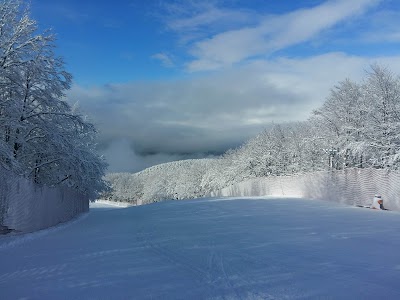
{"points": [[184, 179], [222, 248]]}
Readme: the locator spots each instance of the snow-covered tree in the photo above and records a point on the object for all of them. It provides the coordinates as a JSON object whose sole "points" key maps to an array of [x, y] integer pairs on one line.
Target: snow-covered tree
{"points": [[343, 115], [381, 133], [358, 125], [184, 179], [363, 121], [41, 137]]}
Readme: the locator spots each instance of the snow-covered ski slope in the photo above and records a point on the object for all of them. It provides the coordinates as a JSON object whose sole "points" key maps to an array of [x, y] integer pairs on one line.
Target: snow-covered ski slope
{"points": [[226, 248]]}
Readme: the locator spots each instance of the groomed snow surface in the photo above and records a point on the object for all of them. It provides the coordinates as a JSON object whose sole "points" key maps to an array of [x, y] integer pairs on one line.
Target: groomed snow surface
{"points": [[223, 248]]}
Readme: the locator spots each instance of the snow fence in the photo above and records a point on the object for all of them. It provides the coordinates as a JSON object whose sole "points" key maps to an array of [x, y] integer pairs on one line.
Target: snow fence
{"points": [[350, 186], [26, 206]]}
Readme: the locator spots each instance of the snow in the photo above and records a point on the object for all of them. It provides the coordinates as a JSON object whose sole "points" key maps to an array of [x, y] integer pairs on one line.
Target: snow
{"points": [[351, 186], [239, 248], [107, 203]]}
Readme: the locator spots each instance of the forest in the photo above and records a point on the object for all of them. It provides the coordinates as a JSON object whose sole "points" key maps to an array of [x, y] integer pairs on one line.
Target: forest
{"points": [[357, 126], [42, 137], [46, 139]]}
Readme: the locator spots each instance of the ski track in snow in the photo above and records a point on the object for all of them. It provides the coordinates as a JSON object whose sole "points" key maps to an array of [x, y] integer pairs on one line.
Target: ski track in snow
{"points": [[227, 248], [11, 240], [14, 239]]}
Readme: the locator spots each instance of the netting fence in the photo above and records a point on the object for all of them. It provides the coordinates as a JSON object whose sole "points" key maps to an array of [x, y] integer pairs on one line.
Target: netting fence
{"points": [[26, 206], [351, 186]]}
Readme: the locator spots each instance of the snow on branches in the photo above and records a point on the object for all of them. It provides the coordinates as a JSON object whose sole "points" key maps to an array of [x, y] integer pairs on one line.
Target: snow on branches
{"points": [[175, 180], [41, 137], [363, 120], [358, 125]]}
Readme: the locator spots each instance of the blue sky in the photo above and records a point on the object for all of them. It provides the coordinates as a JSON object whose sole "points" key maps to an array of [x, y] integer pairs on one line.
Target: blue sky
{"points": [[106, 41], [120, 41], [165, 80]]}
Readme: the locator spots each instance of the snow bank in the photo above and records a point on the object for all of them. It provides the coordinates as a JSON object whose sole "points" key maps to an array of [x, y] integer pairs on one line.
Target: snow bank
{"points": [[350, 186], [26, 207], [114, 203]]}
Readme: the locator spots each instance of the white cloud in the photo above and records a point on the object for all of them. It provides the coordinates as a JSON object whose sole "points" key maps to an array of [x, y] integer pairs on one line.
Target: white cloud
{"points": [[121, 157], [272, 33], [210, 16], [164, 58], [381, 26], [212, 113], [192, 20]]}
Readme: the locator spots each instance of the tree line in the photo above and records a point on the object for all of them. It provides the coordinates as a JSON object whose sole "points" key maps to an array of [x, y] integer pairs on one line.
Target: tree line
{"points": [[42, 137], [358, 125]]}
